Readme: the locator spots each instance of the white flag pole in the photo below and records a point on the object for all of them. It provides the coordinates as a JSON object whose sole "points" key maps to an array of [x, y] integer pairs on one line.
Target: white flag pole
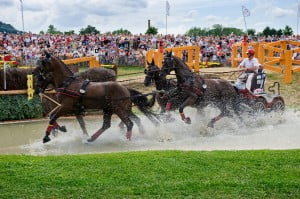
{"points": [[166, 23], [21, 1], [244, 19], [167, 14], [298, 15]]}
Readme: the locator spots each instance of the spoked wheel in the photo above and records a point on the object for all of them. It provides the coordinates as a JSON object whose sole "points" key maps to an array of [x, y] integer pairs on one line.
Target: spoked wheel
{"points": [[259, 106], [278, 105]]}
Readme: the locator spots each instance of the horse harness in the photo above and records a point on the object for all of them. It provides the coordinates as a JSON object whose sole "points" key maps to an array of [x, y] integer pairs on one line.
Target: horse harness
{"points": [[79, 107], [189, 86]]}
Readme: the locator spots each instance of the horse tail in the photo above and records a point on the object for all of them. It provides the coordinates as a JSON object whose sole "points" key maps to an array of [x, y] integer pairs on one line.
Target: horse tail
{"points": [[144, 105]]}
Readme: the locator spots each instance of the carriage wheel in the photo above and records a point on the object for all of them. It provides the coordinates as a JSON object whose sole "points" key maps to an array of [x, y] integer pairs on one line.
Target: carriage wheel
{"points": [[259, 106], [278, 105]]}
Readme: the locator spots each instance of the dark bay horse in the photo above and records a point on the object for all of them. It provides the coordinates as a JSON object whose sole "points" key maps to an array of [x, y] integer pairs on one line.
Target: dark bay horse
{"points": [[200, 92], [167, 87], [111, 97], [98, 74]]}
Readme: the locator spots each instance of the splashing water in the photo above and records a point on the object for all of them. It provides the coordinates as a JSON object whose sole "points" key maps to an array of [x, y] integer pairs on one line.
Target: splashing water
{"points": [[270, 131]]}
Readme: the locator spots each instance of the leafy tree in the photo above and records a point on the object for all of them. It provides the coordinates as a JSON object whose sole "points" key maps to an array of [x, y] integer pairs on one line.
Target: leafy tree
{"points": [[196, 32], [89, 30], [251, 31], [279, 32], [217, 30], [53, 30], [42, 32], [152, 30], [232, 30], [7, 28], [121, 31], [266, 31], [287, 30], [70, 32]]}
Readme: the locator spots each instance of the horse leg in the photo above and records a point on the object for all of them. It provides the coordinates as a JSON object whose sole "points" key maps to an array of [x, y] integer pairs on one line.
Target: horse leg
{"points": [[124, 116], [223, 113], [137, 120], [51, 126], [121, 125], [106, 124], [82, 124], [189, 101]]}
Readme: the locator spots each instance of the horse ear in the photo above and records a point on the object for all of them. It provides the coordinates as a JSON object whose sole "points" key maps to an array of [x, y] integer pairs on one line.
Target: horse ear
{"points": [[152, 63], [48, 55]]}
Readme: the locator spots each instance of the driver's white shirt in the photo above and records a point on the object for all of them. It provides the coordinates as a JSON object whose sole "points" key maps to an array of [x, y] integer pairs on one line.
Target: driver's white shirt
{"points": [[248, 63]]}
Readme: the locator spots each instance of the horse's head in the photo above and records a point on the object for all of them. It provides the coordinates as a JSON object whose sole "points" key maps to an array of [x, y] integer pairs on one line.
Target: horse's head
{"points": [[43, 74], [151, 73], [168, 64]]}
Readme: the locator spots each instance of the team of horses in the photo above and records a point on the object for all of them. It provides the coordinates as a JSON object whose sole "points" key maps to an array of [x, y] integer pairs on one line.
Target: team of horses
{"points": [[97, 89]]}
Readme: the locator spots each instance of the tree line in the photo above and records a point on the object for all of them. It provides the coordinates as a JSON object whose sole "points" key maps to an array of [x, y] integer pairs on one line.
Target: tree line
{"points": [[215, 30], [219, 30]]}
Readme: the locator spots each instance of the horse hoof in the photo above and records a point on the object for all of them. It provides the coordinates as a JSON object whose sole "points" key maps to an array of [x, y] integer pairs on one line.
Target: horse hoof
{"points": [[211, 125], [46, 139], [187, 120], [128, 135], [90, 140], [62, 128]]}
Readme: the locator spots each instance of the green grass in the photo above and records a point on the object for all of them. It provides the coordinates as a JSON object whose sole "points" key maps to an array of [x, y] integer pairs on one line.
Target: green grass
{"points": [[130, 71], [290, 92], [153, 174]]}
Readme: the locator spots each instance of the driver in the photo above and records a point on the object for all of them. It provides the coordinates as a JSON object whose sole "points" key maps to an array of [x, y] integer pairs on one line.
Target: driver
{"points": [[250, 66]]}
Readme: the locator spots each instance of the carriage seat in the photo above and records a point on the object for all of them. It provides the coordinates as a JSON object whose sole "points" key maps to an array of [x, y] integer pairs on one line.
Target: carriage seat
{"points": [[257, 84]]}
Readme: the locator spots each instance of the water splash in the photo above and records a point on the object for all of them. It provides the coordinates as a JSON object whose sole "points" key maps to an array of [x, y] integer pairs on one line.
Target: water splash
{"points": [[270, 131]]}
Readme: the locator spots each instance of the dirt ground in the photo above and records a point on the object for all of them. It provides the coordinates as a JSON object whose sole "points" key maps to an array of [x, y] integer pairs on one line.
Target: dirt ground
{"points": [[290, 92]]}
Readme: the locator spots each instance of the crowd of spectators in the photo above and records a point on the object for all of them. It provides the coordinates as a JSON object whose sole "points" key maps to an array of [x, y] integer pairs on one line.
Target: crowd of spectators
{"points": [[118, 49]]}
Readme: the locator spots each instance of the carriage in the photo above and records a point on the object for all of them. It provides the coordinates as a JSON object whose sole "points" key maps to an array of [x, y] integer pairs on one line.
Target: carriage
{"points": [[256, 100]]}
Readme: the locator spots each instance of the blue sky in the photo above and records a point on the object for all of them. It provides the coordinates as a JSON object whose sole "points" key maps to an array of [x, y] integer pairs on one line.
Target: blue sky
{"points": [[109, 15]]}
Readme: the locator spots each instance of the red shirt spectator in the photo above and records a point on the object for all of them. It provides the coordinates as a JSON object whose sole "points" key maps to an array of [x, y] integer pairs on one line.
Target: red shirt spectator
{"points": [[7, 58]]}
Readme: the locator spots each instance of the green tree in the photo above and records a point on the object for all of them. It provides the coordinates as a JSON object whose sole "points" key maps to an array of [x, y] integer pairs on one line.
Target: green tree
{"points": [[195, 31], [70, 32], [121, 31], [251, 31], [217, 30], [42, 32], [53, 30], [152, 30], [231, 30], [279, 32], [8, 28], [266, 31], [287, 30], [89, 30]]}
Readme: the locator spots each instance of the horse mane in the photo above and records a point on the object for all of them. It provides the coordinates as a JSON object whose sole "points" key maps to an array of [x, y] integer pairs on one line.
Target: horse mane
{"points": [[62, 63], [181, 62]]}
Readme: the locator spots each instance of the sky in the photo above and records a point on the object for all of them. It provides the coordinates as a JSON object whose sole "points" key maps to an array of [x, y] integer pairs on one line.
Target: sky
{"points": [[133, 15]]}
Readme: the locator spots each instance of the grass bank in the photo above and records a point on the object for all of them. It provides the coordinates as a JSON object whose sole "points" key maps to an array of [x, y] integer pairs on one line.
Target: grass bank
{"points": [[153, 174]]}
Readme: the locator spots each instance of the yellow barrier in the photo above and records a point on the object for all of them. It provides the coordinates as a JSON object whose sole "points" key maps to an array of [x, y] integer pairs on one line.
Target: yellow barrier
{"points": [[282, 63], [92, 61], [192, 51], [30, 90]]}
